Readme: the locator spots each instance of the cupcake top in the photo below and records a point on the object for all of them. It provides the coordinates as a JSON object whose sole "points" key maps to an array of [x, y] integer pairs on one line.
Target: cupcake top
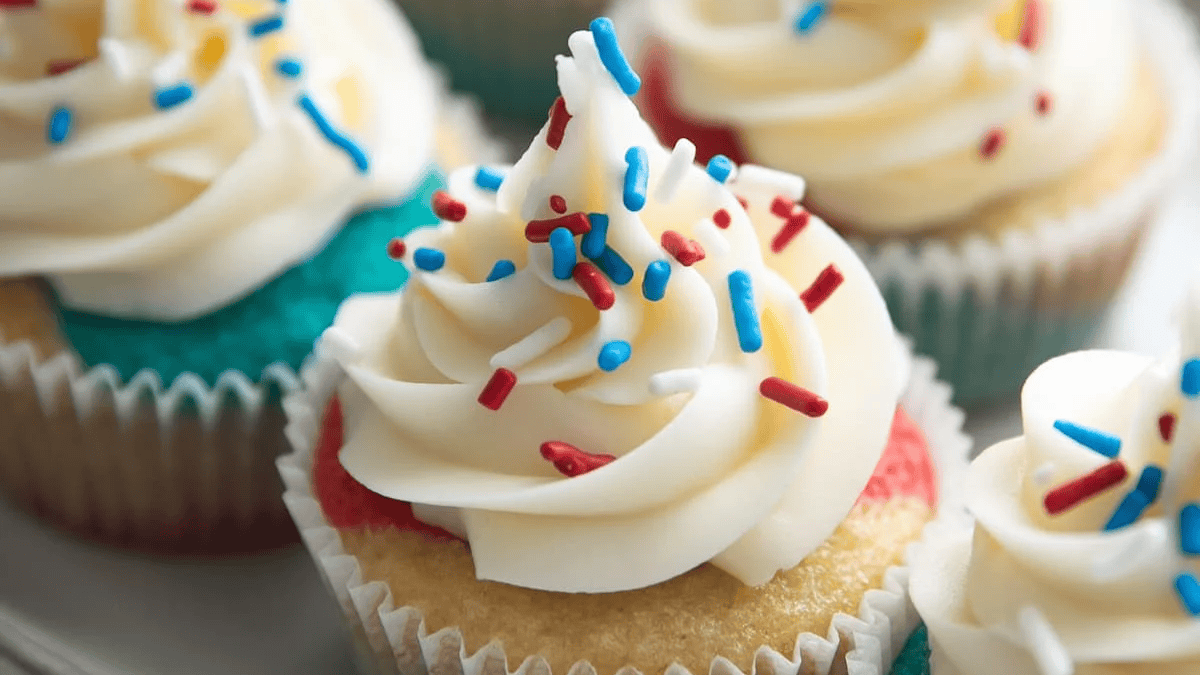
{"points": [[1087, 549], [612, 365], [159, 160], [904, 116]]}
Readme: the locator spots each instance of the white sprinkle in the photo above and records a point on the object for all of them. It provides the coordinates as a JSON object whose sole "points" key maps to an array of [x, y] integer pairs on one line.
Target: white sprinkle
{"points": [[684, 380], [681, 160], [715, 244], [117, 56], [1044, 474], [778, 182], [1048, 651], [339, 345], [533, 345], [256, 97], [170, 70]]}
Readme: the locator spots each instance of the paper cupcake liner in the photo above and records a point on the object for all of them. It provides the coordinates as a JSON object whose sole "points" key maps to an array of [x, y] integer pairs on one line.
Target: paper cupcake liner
{"points": [[395, 639], [991, 310]]}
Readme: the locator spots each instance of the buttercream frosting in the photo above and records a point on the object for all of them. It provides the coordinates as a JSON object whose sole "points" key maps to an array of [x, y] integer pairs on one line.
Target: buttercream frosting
{"points": [[205, 146], [905, 116], [697, 466]]}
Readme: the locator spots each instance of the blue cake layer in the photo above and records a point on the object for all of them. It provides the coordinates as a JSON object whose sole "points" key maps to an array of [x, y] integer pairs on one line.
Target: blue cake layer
{"points": [[278, 322]]}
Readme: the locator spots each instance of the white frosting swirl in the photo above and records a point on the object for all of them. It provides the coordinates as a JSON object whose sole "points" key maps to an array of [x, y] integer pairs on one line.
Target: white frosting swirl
{"points": [[884, 106], [169, 214], [1032, 589], [716, 473]]}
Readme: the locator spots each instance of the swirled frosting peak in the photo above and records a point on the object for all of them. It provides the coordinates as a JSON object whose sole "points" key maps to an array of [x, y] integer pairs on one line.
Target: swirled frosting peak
{"points": [[160, 159], [607, 370]]}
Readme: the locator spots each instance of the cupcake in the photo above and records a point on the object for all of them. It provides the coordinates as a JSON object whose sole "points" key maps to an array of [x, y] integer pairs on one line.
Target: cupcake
{"points": [[623, 415], [187, 193], [1085, 556], [996, 163]]}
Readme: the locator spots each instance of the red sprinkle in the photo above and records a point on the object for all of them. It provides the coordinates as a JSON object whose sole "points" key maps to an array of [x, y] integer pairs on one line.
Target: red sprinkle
{"points": [[745, 204], [783, 207], [687, 251], [827, 282], [595, 284], [1031, 25], [396, 248], [558, 123], [538, 231], [205, 7], [498, 388], [1043, 103], [1166, 427], [1070, 495], [558, 204], [992, 143], [793, 396], [795, 219], [722, 219], [571, 461], [63, 66], [448, 208]]}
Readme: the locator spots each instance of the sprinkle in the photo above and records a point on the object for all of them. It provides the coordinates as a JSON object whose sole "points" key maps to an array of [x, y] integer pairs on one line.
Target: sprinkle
{"points": [[488, 178], [558, 204], [742, 200], [59, 126], [553, 333], [682, 157], [745, 315], [594, 285], [1093, 439], [1188, 588], [63, 66], [172, 96], [612, 58], [687, 251], [501, 269], [1189, 381], [1166, 427], [613, 355], [396, 248], [795, 219], [1128, 511], [538, 231], [1048, 650], [205, 7], [810, 17], [612, 264], [1189, 529], [570, 460], [719, 167], [722, 219], [682, 381], [637, 174], [654, 283], [1070, 495], [1150, 482], [289, 67], [826, 283], [558, 123], [497, 389], [793, 396], [1031, 25], [335, 137], [1043, 103], [448, 208], [429, 259], [562, 246], [993, 141], [268, 25], [595, 240]]}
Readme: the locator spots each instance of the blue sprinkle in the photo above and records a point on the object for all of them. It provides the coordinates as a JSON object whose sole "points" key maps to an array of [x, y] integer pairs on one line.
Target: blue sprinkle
{"points": [[289, 67], [745, 316], [60, 125], [595, 240], [1190, 380], [719, 167], [612, 58], [1150, 482], [654, 284], [267, 25], [1127, 513], [613, 354], [612, 264], [1093, 439], [429, 259], [356, 153], [172, 96], [636, 176], [811, 16], [1189, 529], [488, 178], [501, 269], [1188, 588], [562, 245]]}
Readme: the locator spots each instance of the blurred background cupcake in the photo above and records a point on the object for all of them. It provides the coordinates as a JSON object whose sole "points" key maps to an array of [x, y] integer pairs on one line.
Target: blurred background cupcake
{"points": [[187, 192], [995, 162]]}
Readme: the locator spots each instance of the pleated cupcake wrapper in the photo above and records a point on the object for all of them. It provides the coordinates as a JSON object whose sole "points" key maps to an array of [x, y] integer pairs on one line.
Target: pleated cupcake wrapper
{"points": [[391, 638]]}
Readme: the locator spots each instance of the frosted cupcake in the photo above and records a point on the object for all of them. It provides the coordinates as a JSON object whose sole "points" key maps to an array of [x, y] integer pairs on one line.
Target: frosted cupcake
{"points": [[1086, 554], [624, 414], [996, 162], [187, 192]]}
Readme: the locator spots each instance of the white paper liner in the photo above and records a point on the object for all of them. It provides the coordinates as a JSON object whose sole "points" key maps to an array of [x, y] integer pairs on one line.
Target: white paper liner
{"points": [[390, 639]]}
